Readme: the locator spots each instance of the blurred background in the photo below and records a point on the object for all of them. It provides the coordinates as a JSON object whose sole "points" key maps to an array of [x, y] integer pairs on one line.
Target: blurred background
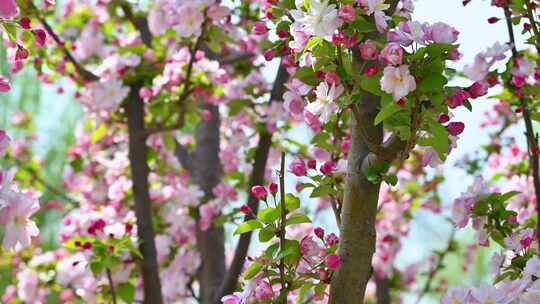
{"points": [[56, 113]]}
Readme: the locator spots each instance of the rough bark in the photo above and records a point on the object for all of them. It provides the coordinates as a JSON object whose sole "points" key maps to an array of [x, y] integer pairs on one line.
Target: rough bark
{"points": [[207, 173], [139, 175], [257, 178], [357, 238]]}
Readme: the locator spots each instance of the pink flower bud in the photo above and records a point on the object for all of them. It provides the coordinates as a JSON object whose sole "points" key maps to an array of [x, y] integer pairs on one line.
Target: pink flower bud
{"points": [[259, 192], [269, 55], [21, 53], [312, 164], [455, 128], [40, 37], [5, 86], [25, 23], [346, 13], [319, 232], [338, 38], [332, 261], [392, 54], [478, 89], [493, 20], [444, 118], [331, 239], [273, 187], [370, 71], [246, 209], [328, 167], [331, 77], [368, 50], [259, 28]]}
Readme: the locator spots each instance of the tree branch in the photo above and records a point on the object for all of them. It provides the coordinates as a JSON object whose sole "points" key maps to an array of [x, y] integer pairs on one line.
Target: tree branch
{"points": [[184, 156], [532, 137], [383, 290], [134, 109], [257, 178], [83, 72]]}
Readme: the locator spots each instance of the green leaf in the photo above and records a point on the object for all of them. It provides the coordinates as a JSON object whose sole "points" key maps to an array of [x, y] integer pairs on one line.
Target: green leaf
{"points": [[291, 202], [99, 133], [432, 82], [307, 75], [290, 251], [96, 267], [391, 179], [266, 234], [321, 191], [362, 25], [508, 195], [252, 270], [386, 112], [126, 292], [248, 226], [268, 215], [313, 41], [298, 218], [372, 84]]}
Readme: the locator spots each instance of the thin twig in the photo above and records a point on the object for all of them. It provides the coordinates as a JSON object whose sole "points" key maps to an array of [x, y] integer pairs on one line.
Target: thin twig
{"points": [[111, 284], [283, 292], [532, 138], [83, 72], [51, 188], [532, 21]]}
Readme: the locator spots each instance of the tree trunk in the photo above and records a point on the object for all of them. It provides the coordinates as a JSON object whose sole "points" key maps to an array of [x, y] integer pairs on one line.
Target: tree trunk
{"points": [[357, 239], [207, 173], [139, 175]]}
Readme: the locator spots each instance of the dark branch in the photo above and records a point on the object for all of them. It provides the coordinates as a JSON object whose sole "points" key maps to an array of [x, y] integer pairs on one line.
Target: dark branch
{"points": [[184, 156], [84, 73], [257, 178]]}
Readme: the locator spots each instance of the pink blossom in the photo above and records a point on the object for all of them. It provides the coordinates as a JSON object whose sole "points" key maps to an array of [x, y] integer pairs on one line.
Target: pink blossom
{"points": [[8, 9], [259, 28], [479, 88], [398, 81], [263, 291], [324, 106], [16, 208], [392, 54], [368, 50], [5, 86], [441, 32], [189, 19], [231, 299], [207, 213], [308, 247], [298, 166], [332, 261]]}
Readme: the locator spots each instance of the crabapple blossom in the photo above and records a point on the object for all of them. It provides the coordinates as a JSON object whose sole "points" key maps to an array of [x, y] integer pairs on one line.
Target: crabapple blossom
{"points": [[321, 19], [324, 105], [398, 81], [8, 9]]}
